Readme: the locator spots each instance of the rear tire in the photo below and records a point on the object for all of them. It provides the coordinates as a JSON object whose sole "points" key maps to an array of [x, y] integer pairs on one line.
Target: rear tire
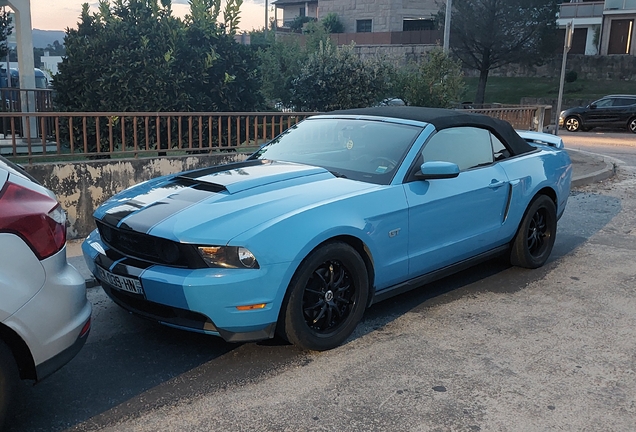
{"points": [[572, 124], [631, 125], [535, 237], [326, 298], [9, 377]]}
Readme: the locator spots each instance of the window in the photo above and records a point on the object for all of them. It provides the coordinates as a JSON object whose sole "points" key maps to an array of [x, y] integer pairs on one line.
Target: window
{"points": [[468, 147], [363, 26], [416, 24], [624, 101], [498, 149], [301, 12], [604, 103]]}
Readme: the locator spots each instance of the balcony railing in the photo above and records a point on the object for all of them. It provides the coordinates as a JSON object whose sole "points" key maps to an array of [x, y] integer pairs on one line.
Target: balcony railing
{"points": [[582, 10], [620, 5]]}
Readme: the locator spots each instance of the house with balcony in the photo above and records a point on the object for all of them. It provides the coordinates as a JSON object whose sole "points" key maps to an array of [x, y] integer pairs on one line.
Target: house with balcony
{"points": [[373, 21], [600, 27]]}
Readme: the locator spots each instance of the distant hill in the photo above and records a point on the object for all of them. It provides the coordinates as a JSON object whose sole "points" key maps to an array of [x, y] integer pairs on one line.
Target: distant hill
{"points": [[42, 38]]}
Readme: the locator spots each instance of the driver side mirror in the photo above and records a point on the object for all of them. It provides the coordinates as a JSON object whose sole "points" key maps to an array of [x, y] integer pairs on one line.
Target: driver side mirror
{"points": [[592, 106], [437, 170]]}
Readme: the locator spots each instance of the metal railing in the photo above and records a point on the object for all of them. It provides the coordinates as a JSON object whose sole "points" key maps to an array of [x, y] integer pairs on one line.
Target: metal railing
{"points": [[582, 10], [29, 137], [620, 5], [96, 135], [38, 100]]}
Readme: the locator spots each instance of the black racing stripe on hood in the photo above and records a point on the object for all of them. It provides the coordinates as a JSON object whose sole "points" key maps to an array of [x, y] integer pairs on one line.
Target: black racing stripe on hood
{"points": [[116, 214], [183, 197], [194, 175]]}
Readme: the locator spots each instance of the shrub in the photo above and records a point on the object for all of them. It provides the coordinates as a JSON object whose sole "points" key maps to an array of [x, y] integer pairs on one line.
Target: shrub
{"points": [[571, 76]]}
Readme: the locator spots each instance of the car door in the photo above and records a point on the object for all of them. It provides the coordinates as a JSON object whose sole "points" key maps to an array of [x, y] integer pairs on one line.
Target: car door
{"points": [[601, 113], [626, 109], [455, 218]]}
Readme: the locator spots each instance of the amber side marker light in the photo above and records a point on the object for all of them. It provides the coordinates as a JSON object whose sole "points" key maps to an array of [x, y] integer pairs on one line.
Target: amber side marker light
{"points": [[251, 307]]}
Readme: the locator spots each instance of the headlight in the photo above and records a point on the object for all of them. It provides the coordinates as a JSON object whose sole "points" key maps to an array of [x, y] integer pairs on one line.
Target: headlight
{"points": [[228, 257], [562, 114]]}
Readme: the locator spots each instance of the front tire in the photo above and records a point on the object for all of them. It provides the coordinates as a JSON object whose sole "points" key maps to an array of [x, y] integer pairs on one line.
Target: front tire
{"points": [[631, 125], [326, 298], [572, 124], [9, 376], [535, 238]]}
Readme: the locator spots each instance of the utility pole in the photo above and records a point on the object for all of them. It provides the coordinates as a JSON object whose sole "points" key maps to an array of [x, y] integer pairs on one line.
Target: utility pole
{"points": [[567, 44], [447, 24], [266, 23]]}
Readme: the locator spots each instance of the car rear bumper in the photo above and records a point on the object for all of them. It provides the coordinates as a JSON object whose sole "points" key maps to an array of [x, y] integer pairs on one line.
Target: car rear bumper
{"points": [[54, 322], [201, 300]]}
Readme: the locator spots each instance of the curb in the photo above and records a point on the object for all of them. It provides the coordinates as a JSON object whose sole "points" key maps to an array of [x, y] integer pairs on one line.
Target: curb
{"points": [[608, 171]]}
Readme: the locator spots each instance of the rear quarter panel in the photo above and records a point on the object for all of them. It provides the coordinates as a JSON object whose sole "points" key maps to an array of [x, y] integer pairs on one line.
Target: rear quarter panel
{"points": [[528, 175]]}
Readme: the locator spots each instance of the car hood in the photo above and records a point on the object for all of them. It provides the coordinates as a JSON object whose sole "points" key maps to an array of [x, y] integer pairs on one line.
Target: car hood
{"points": [[575, 110], [213, 205]]}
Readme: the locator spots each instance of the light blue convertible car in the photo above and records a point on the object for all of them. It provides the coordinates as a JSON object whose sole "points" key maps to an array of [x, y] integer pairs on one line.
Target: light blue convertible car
{"points": [[339, 212]]}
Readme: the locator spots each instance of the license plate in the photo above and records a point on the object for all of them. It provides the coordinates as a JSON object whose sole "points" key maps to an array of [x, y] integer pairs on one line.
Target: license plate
{"points": [[120, 282]]}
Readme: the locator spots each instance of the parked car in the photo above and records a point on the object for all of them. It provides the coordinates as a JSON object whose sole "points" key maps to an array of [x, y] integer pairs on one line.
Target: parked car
{"points": [[614, 111], [340, 211], [44, 313]]}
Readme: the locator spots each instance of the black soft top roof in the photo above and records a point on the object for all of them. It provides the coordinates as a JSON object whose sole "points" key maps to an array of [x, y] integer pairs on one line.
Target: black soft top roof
{"points": [[445, 118]]}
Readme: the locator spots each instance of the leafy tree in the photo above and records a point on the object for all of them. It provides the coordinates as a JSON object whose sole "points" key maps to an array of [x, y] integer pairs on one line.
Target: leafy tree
{"points": [[336, 78], [436, 82], [299, 21], [487, 34], [281, 62], [136, 56], [6, 28], [56, 49], [332, 23]]}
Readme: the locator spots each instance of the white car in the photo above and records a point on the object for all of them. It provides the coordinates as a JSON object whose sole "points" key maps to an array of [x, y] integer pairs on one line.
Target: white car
{"points": [[44, 314]]}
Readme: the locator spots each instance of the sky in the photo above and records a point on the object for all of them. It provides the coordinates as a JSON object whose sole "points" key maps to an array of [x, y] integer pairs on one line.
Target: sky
{"points": [[60, 14]]}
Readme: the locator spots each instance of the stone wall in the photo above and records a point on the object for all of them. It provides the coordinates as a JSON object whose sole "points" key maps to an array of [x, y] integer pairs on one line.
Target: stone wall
{"points": [[399, 55], [82, 186], [621, 67]]}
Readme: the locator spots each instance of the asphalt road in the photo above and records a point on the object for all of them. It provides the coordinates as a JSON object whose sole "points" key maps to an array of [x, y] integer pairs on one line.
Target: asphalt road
{"points": [[618, 144], [493, 348]]}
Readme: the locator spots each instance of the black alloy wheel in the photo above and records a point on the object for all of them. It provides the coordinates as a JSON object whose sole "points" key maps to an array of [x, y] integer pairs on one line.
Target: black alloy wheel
{"points": [[326, 298], [572, 124], [536, 234]]}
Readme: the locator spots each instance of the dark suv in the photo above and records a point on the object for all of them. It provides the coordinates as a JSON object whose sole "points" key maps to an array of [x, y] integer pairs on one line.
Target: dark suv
{"points": [[610, 111]]}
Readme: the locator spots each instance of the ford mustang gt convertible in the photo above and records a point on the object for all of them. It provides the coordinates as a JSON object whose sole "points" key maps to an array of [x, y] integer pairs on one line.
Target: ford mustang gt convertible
{"points": [[340, 211]]}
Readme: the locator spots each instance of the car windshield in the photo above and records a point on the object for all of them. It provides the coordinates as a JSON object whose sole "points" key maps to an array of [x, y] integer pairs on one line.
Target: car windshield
{"points": [[365, 150]]}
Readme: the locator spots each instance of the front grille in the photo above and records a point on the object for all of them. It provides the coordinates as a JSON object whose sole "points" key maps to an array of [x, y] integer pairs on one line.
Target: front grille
{"points": [[149, 248], [158, 312]]}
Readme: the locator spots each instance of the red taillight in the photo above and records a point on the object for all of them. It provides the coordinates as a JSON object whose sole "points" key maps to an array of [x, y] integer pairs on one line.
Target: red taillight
{"points": [[85, 329], [35, 217]]}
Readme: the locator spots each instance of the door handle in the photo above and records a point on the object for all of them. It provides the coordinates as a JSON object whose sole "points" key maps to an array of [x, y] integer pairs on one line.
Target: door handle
{"points": [[494, 184]]}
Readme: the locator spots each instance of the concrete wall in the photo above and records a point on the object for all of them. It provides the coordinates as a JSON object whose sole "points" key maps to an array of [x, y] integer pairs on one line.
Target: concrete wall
{"points": [[82, 186]]}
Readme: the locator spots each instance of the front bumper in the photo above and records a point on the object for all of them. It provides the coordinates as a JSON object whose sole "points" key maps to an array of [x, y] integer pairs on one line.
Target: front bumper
{"points": [[200, 300]]}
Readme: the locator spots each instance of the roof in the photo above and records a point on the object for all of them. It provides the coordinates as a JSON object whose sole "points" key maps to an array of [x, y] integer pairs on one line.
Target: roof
{"points": [[445, 118]]}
